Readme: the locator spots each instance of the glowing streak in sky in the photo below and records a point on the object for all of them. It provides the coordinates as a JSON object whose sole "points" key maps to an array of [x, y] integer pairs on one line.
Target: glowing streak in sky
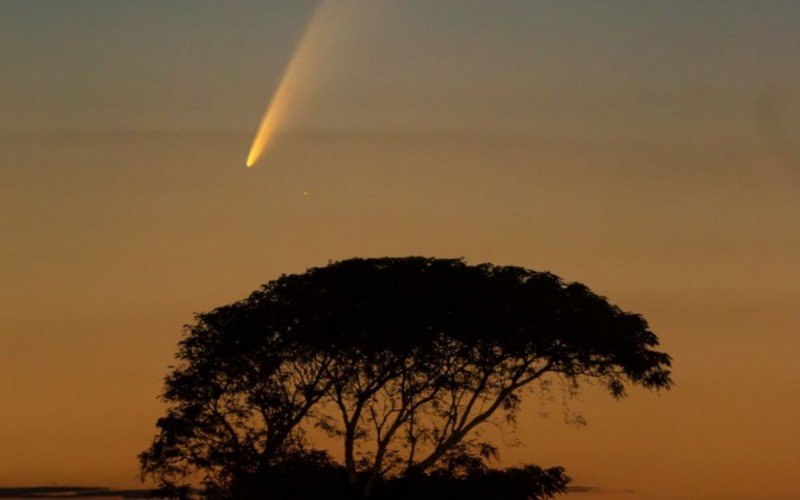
{"points": [[287, 89]]}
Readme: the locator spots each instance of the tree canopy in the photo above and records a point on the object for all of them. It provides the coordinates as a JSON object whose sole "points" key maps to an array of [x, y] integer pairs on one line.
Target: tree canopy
{"points": [[402, 360]]}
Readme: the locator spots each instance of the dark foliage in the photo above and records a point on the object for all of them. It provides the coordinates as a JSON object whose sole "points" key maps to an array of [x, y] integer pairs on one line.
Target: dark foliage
{"points": [[516, 483], [402, 359], [315, 475]]}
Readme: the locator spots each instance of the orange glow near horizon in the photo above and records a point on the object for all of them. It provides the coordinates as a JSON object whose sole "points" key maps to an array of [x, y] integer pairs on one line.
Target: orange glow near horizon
{"points": [[284, 95]]}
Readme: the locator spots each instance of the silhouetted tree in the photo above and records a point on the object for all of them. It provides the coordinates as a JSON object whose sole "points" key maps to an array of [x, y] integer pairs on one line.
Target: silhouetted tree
{"points": [[403, 359]]}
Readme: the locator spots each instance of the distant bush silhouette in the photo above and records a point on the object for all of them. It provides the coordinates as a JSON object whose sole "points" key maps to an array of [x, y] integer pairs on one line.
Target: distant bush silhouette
{"points": [[402, 359]]}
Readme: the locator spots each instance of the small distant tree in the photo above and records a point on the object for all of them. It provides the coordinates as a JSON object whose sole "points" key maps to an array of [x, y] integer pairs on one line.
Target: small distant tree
{"points": [[403, 359]]}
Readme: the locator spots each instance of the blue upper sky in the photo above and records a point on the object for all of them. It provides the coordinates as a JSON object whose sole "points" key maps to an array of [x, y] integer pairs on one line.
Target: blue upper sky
{"points": [[213, 65]]}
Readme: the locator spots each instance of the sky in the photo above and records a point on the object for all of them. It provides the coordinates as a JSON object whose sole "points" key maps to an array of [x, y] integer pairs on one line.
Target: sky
{"points": [[650, 150]]}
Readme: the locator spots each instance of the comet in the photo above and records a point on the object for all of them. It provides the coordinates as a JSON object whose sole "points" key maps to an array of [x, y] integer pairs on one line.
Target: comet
{"points": [[286, 92]]}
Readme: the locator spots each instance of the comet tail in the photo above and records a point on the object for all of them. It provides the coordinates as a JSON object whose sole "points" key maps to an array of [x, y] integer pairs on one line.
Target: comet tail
{"points": [[286, 90]]}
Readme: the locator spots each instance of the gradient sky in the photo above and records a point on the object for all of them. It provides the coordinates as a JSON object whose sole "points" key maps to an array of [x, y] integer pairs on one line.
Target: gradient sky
{"points": [[650, 150]]}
